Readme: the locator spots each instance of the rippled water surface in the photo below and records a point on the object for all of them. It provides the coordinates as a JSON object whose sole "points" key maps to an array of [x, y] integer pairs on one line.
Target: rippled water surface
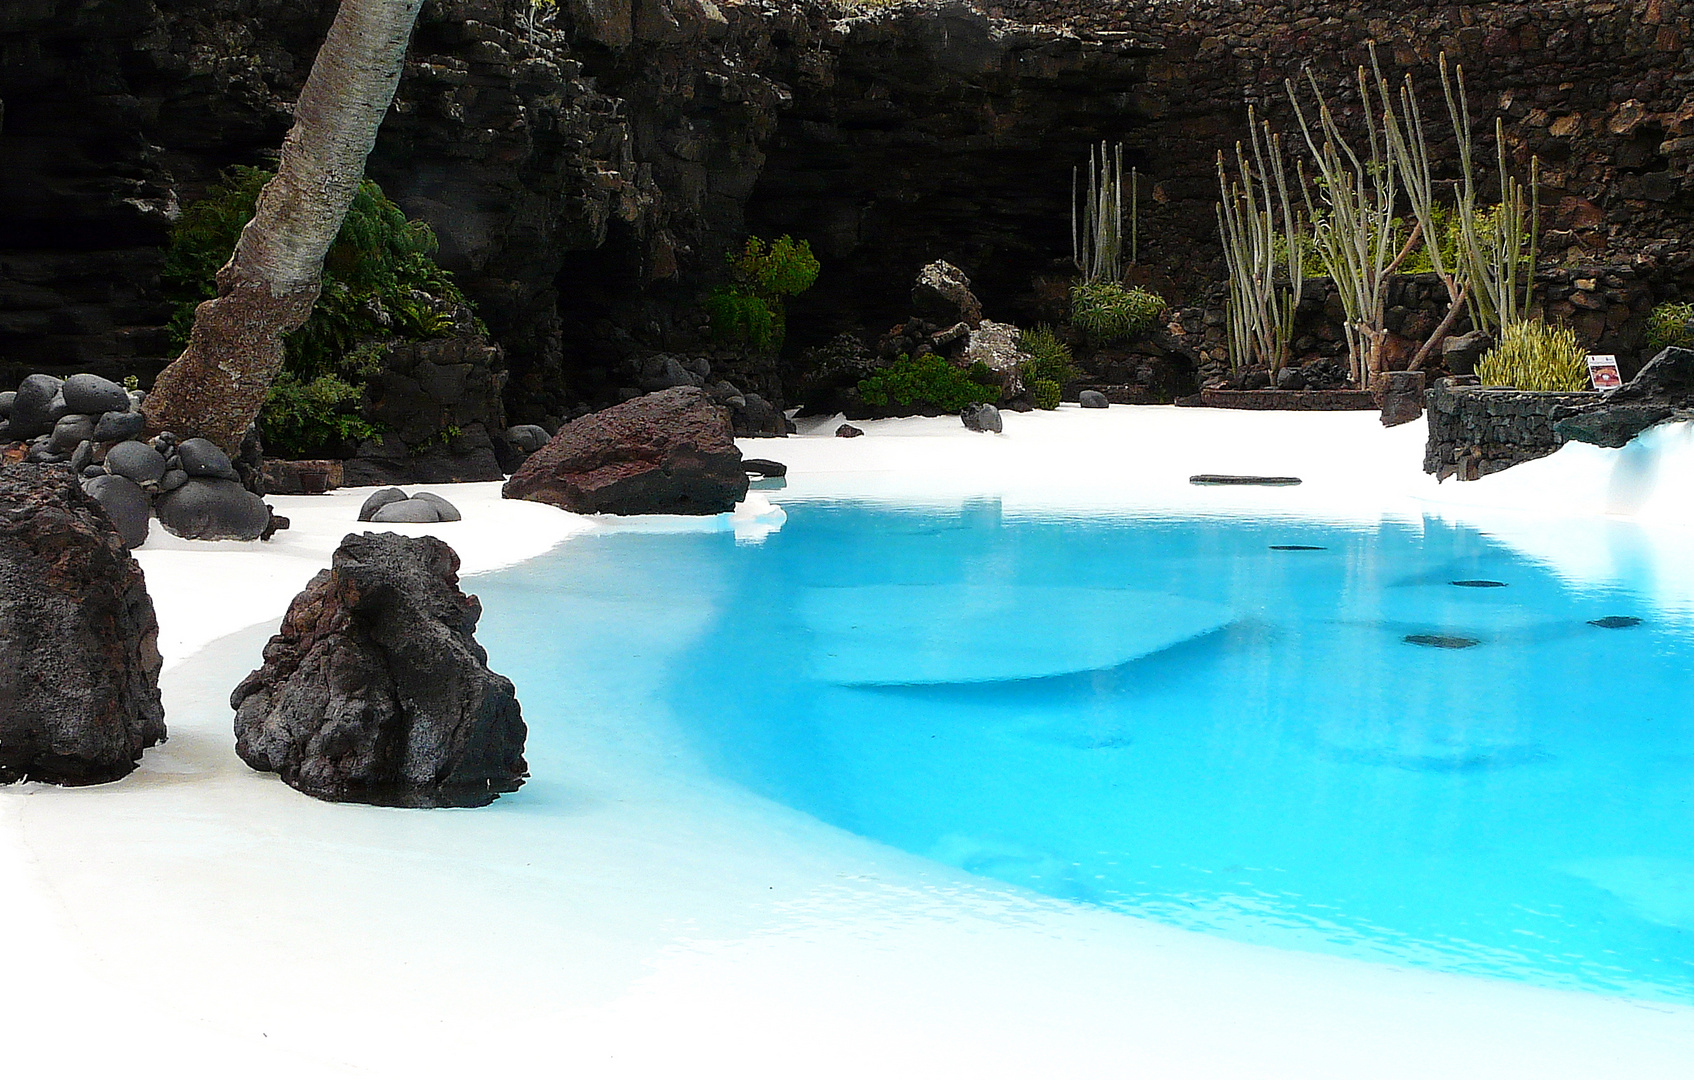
{"points": [[1404, 744]]}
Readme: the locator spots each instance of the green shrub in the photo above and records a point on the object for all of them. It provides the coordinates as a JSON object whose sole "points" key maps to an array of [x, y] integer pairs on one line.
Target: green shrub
{"points": [[929, 380], [1534, 356], [380, 283], [741, 318], [1047, 393], [1049, 364], [1106, 311], [749, 312], [307, 416], [1670, 324]]}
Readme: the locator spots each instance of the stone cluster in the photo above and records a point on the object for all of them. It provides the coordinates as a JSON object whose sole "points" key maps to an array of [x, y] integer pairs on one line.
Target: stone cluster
{"points": [[94, 426]]}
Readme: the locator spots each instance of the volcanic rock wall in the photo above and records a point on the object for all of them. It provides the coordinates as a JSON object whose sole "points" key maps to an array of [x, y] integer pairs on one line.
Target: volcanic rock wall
{"points": [[586, 165]]}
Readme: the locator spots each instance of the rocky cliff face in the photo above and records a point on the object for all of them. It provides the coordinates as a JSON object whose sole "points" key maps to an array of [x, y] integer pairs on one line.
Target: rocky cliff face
{"points": [[586, 165]]}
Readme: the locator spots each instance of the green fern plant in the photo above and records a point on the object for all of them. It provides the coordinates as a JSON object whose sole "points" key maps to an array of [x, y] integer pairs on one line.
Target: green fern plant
{"points": [[749, 312], [380, 283], [929, 380]]}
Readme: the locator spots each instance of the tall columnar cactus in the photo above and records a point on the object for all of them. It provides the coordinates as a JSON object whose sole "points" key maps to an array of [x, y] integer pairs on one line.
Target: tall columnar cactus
{"points": [[1097, 238], [1255, 213]]}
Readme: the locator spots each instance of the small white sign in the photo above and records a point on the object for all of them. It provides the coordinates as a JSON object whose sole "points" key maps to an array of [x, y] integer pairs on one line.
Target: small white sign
{"points": [[1603, 372]]}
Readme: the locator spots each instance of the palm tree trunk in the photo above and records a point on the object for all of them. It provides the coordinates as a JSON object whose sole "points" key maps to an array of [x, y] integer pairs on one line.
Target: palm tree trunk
{"points": [[216, 387]]}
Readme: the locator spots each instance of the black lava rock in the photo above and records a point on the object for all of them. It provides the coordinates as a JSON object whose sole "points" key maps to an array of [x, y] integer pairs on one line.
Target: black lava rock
{"points": [[202, 458], [33, 407], [375, 689], [93, 395], [79, 661], [136, 460], [118, 426]]}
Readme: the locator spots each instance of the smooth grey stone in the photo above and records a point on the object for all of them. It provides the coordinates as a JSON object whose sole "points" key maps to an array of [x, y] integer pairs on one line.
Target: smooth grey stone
{"points": [[125, 503], [528, 437], [40, 455], [5, 431], [415, 511], [205, 508], [83, 456], [6, 403], [95, 470], [448, 511], [201, 457], [93, 395], [136, 460], [1092, 399], [981, 418], [378, 500], [136, 399], [32, 406], [58, 407], [69, 431], [173, 479], [117, 426]]}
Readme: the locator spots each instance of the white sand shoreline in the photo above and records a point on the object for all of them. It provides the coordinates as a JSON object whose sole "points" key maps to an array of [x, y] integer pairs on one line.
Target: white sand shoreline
{"points": [[657, 922]]}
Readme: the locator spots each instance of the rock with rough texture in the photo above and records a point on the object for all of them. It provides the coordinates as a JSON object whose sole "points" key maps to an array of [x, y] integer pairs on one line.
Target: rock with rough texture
{"points": [[1460, 352], [1662, 390], [981, 418], [995, 346], [407, 511], [527, 437], [94, 395], [1092, 399], [209, 509], [375, 689], [671, 452], [942, 295], [79, 655], [379, 499], [125, 503], [1402, 397], [848, 431]]}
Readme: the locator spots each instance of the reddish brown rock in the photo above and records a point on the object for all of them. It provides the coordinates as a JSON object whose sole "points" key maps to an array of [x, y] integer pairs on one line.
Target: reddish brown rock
{"points": [[672, 452], [79, 643]]}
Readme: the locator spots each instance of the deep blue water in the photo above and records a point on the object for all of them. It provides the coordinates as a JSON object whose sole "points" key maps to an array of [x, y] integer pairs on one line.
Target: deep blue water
{"points": [[1198, 728]]}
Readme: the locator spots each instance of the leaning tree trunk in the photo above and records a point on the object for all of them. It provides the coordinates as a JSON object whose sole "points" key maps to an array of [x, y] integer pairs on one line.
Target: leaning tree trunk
{"points": [[216, 387]]}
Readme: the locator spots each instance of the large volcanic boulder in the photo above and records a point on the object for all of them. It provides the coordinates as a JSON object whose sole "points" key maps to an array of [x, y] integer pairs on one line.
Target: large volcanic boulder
{"points": [[672, 452], [1662, 390], [79, 643], [375, 689]]}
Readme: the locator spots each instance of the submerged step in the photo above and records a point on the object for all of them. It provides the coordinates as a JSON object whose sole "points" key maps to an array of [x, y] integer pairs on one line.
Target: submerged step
{"points": [[1215, 479], [914, 635]]}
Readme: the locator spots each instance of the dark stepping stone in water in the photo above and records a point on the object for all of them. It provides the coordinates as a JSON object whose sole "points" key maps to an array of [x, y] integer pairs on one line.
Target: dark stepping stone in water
{"points": [[1615, 622], [1297, 547], [1441, 641], [1261, 481], [1478, 583], [763, 467]]}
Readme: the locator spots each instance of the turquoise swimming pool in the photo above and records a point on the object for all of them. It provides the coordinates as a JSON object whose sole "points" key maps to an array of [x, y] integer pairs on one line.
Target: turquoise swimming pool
{"points": [[1402, 743]]}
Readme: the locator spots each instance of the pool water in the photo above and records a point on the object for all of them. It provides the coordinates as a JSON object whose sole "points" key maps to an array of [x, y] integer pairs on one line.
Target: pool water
{"points": [[1402, 743]]}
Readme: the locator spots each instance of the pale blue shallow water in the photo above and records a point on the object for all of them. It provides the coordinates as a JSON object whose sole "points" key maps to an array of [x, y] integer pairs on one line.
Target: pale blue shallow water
{"points": [[1203, 731]]}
